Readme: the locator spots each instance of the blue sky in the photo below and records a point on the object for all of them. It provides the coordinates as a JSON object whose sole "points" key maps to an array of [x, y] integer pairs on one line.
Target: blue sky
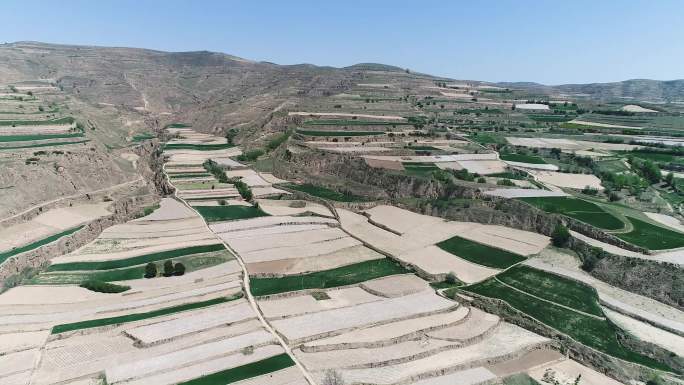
{"points": [[550, 42]]}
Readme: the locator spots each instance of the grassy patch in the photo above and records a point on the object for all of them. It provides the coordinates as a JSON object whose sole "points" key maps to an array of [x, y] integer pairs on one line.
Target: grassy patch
{"points": [[522, 158], [419, 169], [341, 276], [478, 253], [58, 121], [325, 193], [254, 369], [37, 244], [25, 138], [139, 316], [484, 138], [578, 209], [50, 144], [596, 333], [227, 213], [651, 236], [134, 261], [520, 379], [554, 288]]}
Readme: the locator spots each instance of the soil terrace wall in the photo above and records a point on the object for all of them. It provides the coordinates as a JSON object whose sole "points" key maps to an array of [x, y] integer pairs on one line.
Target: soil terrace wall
{"points": [[124, 210]]}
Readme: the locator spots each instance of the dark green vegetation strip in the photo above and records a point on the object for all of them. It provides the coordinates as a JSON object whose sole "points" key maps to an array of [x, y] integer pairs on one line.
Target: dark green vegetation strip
{"points": [[554, 288], [26, 138], [254, 369], [128, 262], [507, 175], [200, 147], [189, 175], [338, 133], [522, 158], [651, 236], [142, 136], [479, 253], [177, 125], [37, 244], [325, 193], [139, 316], [341, 276], [226, 213], [578, 209], [66, 120], [354, 122], [598, 334], [50, 144], [551, 118]]}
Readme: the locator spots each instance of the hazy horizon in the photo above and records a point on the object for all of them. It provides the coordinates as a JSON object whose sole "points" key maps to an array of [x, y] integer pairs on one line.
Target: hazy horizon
{"points": [[495, 41]]}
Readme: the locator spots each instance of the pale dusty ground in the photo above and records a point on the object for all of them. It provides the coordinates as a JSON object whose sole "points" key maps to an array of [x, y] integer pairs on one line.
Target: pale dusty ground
{"points": [[34, 295], [635, 108], [477, 323], [355, 149], [567, 144], [308, 325], [169, 209], [338, 258], [482, 167], [667, 220], [457, 95], [550, 167], [387, 331], [531, 106], [270, 178], [575, 181], [303, 304], [527, 361], [272, 241], [646, 332], [523, 193], [131, 157], [49, 223], [434, 158], [603, 124], [567, 371], [507, 339], [267, 191], [434, 260], [464, 377], [396, 285], [284, 207], [338, 114]]}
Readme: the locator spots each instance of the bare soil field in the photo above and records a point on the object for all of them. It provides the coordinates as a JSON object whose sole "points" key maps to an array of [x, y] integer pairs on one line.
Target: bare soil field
{"points": [[574, 181]]}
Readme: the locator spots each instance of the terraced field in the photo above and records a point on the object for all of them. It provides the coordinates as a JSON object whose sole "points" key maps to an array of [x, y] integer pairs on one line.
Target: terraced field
{"points": [[578, 209]]}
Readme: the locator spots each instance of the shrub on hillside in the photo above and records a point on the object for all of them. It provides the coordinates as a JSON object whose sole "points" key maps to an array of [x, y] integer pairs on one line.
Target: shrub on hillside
{"points": [[103, 287], [560, 236]]}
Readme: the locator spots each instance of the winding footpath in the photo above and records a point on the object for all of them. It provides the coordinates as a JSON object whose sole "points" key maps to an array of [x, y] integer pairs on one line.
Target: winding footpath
{"points": [[247, 289]]}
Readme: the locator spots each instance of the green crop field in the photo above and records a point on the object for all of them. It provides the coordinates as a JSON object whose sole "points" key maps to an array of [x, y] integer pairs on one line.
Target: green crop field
{"points": [[338, 133], [324, 193], [65, 120], [579, 209], [479, 253], [341, 276], [34, 245], [191, 262], [486, 138], [199, 147], [651, 236], [522, 158], [227, 213], [189, 175], [37, 145], [596, 333], [26, 138], [139, 316], [553, 287], [139, 260], [419, 169], [251, 370]]}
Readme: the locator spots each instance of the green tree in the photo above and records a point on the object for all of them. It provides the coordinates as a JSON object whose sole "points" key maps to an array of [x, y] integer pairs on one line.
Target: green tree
{"points": [[560, 235], [168, 268], [179, 269], [669, 179], [150, 270]]}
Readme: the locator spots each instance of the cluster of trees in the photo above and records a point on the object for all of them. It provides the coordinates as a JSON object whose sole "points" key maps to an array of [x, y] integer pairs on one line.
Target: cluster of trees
{"points": [[220, 175], [170, 269], [646, 169]]}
